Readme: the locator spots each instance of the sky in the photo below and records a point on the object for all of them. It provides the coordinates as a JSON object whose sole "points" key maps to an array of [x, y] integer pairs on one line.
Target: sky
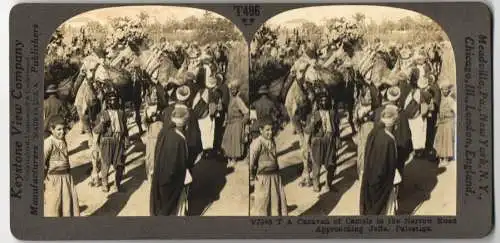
{"points": [[317, 14], [161, 13]]}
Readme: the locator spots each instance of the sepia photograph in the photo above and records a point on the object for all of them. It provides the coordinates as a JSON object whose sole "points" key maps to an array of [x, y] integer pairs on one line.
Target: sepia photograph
{"points": [[353, 112], [146, 113]]}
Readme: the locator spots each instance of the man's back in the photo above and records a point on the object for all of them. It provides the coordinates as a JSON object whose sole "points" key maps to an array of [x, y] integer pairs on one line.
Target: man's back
{"points": [[52, 106], [264, 106]]}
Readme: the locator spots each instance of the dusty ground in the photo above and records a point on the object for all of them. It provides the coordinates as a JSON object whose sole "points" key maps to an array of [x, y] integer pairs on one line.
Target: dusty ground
{"points": [[216, 189], [427, 189]]}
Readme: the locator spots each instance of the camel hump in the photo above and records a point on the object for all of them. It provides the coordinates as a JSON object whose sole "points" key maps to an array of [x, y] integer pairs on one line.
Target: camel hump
{"points": [[117, 76]]}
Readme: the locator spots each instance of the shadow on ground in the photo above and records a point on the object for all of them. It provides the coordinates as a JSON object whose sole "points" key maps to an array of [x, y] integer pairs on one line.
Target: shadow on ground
{"points": [[209, 178], [117, 201], [82, 146], [83, 171], [327, 201], [419, 179]]}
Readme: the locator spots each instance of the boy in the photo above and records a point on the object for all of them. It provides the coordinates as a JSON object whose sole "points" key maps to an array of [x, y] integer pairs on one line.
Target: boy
{"points": [[269, 191], [60, 198]]}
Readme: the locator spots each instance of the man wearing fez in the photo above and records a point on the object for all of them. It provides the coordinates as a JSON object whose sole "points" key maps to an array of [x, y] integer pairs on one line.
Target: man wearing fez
{"points": [[171, 169], [323, 129], [193, 136], [381, 176]]}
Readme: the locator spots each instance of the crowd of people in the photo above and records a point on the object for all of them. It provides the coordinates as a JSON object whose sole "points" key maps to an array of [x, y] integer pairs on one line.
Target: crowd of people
{"points": [[196, 115], [409, 114]]}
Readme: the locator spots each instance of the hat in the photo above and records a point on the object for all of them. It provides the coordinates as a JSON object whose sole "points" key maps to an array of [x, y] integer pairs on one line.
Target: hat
{"points": [[393, 93], [52, 88], [235, 83], [219, 77], [189, 76], [389, 115], [423, 82], [182, 93], [263, 89], [211, 82], [180, 114]]}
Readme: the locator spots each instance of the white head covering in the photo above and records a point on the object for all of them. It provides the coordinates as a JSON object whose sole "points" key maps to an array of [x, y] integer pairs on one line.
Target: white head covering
{"points": [[445, 84], [182, 93], [235, 83], [389, 115], [180, 114], [393, 93]]}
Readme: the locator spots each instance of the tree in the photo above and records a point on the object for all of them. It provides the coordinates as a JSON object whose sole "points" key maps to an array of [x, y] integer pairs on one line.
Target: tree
{"points": [[359, 18], [116, 21], [190, 22], [143, 18], [406, 23]]}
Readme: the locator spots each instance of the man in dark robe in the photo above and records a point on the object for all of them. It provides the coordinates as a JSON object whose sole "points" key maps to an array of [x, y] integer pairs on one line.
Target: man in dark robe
{"points": [[375, 95], [401, 130], [169, 177], [194, 86], [221, 98], [53, 106], [378, 191], [435, 94], [265, 107], [323, 128]]}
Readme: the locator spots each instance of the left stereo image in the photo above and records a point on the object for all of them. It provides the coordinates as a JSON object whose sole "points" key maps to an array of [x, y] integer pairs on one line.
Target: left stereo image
{"points": [[145, 114]]}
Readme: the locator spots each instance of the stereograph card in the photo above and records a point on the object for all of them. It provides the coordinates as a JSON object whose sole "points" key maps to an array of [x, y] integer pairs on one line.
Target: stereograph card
{"points": [[251, 120]]}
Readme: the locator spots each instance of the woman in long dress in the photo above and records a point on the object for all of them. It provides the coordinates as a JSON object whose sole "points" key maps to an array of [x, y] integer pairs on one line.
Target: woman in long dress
{"points": [[237, 117], [445, 135]]}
